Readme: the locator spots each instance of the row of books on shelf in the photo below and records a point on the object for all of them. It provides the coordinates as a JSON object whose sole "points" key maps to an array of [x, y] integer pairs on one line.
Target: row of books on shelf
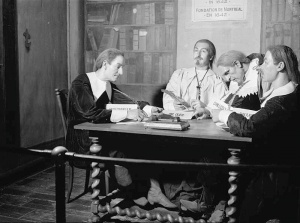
{"points": [[129, 38], [287, 34], [151, 38], [146, 68], [141, 14], [281, 10]]}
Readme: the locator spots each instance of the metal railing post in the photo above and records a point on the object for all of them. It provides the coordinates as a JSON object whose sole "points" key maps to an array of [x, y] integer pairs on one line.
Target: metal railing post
{"points": [[58, 153]]}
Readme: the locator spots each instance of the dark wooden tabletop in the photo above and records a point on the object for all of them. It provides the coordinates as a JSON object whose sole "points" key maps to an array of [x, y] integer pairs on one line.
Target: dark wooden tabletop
{"points": [[199, 129]]}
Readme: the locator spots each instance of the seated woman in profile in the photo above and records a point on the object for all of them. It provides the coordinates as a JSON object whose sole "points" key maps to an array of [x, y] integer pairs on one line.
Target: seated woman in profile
{"points": [[273, 129], [243, 90]]}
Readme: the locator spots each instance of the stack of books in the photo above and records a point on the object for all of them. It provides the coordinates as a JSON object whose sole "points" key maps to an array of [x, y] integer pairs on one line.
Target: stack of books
{"points": [[168, 125]]}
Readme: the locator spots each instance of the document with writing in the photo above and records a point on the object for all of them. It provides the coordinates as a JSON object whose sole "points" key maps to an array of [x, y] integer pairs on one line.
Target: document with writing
{"points": [[223, 106]]}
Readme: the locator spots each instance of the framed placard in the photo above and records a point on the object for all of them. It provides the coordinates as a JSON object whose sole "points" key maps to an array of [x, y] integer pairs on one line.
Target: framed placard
{"points": [[216, 10]]}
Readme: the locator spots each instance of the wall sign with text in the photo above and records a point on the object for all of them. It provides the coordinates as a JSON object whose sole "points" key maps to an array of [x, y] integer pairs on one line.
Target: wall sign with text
{"points": [[215, 10]]}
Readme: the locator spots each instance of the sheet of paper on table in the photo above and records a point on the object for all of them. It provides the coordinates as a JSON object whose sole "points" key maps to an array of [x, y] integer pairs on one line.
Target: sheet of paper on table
{"points": [[218, 104], [121, 106], [223, 106], [182, 114]]}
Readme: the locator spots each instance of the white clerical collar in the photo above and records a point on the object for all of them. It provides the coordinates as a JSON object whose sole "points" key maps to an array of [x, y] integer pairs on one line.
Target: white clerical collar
{"points": [[284, 90], [252, 73], [99, 86]]}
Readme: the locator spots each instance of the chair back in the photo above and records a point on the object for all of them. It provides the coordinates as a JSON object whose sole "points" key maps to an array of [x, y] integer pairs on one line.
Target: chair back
{"points": [[62, 99]]}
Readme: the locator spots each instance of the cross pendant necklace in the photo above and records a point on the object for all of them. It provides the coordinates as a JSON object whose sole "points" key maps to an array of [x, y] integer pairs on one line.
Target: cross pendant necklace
{"points": [[198, 94]]}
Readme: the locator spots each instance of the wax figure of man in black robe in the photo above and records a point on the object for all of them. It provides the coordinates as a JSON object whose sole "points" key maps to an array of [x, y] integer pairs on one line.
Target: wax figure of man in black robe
{"points": [[88, 96], [84, 108]]}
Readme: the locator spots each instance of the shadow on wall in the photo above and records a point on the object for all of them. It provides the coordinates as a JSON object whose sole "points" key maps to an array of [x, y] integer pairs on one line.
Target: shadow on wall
{"points": [[149, 93], [157, 96]]}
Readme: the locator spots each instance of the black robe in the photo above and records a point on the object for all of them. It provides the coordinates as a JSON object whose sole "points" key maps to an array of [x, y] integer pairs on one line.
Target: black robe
{"points": [[82, 107], [250, 101], [273, 127], [275, 132]]}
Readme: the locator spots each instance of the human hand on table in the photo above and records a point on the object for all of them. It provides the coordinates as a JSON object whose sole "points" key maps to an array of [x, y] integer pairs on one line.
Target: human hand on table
{"points": [[136, 114], [179, 105], [201, 113], [156, 110], [197, 104]]}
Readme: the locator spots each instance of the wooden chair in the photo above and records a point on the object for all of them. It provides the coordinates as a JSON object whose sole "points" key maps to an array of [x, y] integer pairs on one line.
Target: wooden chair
{"points": [[62, 98]]}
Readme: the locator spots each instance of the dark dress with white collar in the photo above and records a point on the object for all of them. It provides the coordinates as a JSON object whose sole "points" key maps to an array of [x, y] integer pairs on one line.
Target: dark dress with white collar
{"points": [[82, 107], [250, 101], [275, 132]]}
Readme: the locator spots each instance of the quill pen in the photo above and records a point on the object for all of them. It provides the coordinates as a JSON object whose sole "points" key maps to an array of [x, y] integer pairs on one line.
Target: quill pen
{"points": [[134, 101], [176, 98]]}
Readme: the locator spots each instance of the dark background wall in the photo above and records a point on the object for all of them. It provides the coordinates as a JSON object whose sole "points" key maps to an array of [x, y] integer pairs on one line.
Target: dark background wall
{"points": [[29, 115]]}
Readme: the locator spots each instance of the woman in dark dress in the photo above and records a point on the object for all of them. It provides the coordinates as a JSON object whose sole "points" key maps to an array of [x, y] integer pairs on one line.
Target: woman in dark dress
{"points": [[274, 132]]}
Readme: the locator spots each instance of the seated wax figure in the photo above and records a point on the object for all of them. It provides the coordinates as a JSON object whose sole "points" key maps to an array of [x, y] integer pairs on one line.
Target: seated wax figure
{"points": [[252, 56], [240, 69], [263, 86], [274, 132], [88, 95], [242, 93], [185, 82]]}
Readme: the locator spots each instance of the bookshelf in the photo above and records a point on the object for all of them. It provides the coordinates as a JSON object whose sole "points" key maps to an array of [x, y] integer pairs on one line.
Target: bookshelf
{"points": [[281, 24], [144, 30]]}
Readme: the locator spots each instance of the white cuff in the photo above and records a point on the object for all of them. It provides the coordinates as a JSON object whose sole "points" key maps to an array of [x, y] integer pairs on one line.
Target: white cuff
{"points": [[208, 110], [223, 116], [118, 115], [148, 109]]}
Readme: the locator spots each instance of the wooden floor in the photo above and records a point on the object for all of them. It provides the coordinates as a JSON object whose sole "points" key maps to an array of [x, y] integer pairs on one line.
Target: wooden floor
{"points": [[33, 199]]}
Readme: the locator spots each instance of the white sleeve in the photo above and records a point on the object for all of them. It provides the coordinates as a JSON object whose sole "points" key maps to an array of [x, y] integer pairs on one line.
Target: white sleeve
{"points": [[148, 109], [223, 116], [118, 115], [213, 88], [220, 89], [173, 86]]}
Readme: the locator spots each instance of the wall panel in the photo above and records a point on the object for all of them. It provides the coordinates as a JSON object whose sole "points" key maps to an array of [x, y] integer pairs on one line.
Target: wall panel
{"points": [[43, 67]]}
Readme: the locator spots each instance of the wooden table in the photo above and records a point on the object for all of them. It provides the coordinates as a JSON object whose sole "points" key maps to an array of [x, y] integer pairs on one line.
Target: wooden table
{"points": [[200, 133]]}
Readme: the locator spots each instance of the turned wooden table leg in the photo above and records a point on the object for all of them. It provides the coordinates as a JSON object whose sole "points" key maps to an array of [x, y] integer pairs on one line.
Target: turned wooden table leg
{"points": [[95, 150], [233, 181]]}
